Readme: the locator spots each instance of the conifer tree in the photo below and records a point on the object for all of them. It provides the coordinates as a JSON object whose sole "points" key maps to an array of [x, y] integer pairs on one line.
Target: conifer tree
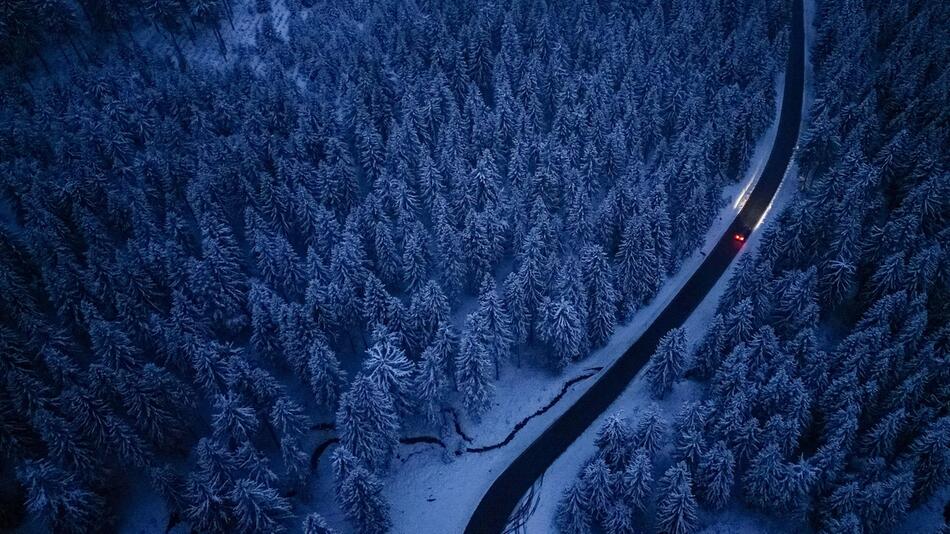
{"points": [[367, 422], [110, 343], [258, 508], [449, 258], [276, 260], [649, 432], [362, 502], [846, 524], [677, 509], [265, 328], [613, 441], [483, 187], [388, 264], [561, 329], [572, 515], [668, 363], [432, 383], [898, 490], [638, 480], [796, 303], [526, 287], [233, 419], [288, 418], [473, 368], [689, 446], [375, 305], [494, 324], [429, 308], [324, 374], [931, 451], [772, 483], [739, 322], [708, 353], [602, 298], [415, 261], [386, 365], [639, 272], [619, 519], [222, 261], [715, 476], [59, 499], [599, 482]]}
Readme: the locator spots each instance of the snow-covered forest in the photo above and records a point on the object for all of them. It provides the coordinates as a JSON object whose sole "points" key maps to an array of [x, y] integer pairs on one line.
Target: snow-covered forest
{"points": [[826, 370], [227, 224]]}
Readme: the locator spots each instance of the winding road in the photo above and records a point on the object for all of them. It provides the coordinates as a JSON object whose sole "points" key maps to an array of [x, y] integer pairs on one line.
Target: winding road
{"points": [[500, 500]]}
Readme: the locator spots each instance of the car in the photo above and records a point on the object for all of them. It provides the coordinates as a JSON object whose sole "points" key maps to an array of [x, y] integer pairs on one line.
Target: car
{"points": [[742, 234]]}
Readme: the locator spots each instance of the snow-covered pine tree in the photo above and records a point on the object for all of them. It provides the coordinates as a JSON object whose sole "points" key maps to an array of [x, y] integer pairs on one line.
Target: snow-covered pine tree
{"points": [[708, 353], [474, 367], [688, 446], [257, 507], [265, 326], [638, 480], [599, 482], [362, 501], [495, 324], [639, 272], [739, 323], [668, 363], [449, 259], [233, 419], [560, 328], [388, 263], [572, 515], [386, 365], [375, 303], [368, 423], [288, 418], [110, 342], [432, 383], [58, 499], [526, 287], [715, 476], [428, 309], [650, 430], [931, 455], [677, 511], [613, 441], [796, 303], [483, 185], [770, 482], [324, 374], [483, 243], [619, 519], [415, 259], [601, 295]]}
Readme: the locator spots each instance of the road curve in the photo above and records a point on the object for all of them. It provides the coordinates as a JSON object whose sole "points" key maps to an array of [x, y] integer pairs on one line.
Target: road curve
{"points": [[499, 501]]}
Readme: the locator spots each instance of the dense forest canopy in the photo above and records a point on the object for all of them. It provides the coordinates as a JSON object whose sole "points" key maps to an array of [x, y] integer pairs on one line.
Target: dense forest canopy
{"points": [[377, 207], [827, 369]]}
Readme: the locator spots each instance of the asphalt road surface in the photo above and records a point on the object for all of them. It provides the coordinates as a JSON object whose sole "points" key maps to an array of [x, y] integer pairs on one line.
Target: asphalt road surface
{"points": [[501, 498]]}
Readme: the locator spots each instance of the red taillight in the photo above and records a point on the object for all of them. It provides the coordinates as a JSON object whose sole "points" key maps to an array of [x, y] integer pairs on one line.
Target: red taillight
{"points": [[740, 238]]}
